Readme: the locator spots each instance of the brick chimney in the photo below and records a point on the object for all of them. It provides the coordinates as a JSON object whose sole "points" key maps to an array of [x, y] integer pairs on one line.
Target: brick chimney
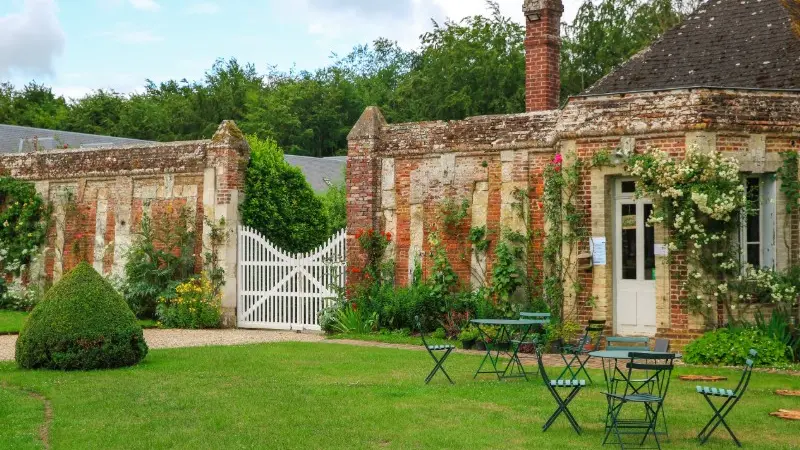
{"points": [[542, 53]]}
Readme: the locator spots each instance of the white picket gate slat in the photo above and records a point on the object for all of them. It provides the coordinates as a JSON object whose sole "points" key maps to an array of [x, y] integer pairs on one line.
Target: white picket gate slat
{"points": [[278, 290]]}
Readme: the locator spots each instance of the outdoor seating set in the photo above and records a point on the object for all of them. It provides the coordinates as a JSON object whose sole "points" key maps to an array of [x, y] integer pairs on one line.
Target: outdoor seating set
{"points": [[634, 375]]}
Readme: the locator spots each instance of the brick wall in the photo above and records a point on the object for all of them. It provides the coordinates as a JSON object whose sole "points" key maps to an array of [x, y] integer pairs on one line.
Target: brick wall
{"points": [[483, 159], [100, 195]]}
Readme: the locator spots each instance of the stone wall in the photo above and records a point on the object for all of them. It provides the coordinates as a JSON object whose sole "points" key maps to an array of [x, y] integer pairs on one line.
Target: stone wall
{"points": [[100, 195], [400, 174]]}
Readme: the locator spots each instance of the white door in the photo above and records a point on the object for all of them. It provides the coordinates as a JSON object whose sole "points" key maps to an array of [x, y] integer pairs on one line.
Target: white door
{"points": [[634, 263]]}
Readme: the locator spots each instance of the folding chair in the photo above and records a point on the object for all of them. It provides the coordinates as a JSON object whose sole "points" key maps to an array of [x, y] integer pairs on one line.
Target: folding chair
{"points": [[563, 402], [577, 352], [432, 349], [541, 319], [731, 397], [662, 345], [658, 368], [628, 344]]}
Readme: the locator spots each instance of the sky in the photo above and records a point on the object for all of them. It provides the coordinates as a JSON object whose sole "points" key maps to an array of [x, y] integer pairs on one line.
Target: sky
{"points": [[76, 46]]}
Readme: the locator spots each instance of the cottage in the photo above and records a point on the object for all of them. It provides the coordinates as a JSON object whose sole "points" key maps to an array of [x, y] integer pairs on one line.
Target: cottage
{"points": [[724, 82]]}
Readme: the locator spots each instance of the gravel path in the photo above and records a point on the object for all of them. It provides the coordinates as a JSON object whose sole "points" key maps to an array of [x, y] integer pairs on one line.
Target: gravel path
{"points": [[193, 338]]}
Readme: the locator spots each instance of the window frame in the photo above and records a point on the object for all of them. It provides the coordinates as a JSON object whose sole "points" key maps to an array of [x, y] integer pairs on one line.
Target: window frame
{"points": [[767, 222]]}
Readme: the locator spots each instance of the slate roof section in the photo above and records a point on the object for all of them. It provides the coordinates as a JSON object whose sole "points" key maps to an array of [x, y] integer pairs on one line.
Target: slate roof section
{"points": [[318, 171], [11, 135], [746, 44]]}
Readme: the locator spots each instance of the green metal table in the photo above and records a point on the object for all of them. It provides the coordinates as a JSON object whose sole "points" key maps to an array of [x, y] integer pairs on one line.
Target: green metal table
{"points": [[614, 375], [494, 350]]}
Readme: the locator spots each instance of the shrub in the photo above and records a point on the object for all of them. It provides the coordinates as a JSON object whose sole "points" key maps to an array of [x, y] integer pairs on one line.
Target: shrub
{"points": [[161, 256], [195, 304], [334, 200], [20, 298], [350, 319], [279, 202], [81, 323], [730, 347]]}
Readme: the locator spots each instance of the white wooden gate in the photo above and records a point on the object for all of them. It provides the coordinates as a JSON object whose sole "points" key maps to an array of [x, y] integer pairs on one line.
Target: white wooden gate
{"points": [[278, 290]]}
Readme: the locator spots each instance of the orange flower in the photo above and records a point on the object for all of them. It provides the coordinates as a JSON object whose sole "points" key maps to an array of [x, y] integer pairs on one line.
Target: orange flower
{"points": [[389, 237]]}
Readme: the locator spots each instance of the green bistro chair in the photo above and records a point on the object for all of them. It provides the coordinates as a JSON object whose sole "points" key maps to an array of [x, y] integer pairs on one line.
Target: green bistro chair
{"points": [[553, 386], [577, 352], [542, 320], [658, 370], [628, 344], [433, 350], [731, 397]]}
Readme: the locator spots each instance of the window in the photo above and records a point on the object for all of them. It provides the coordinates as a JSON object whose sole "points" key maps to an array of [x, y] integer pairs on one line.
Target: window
{"points": [[757, 234]]}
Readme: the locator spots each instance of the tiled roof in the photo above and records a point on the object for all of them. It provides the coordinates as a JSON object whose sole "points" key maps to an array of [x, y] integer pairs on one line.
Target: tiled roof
{"points": [[318, 171], [12, 135], [723, 44]]}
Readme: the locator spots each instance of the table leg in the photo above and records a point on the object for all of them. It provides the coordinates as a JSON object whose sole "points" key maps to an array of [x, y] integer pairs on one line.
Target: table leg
{"points": [[489, 349], [515, 361]]}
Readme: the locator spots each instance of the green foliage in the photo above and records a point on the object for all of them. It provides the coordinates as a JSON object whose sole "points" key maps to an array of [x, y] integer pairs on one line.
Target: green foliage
{"points": [[352, 320], [478, 236], [442, 280], [469, 333], [195, 304], [606, 33], [790, 184], [568, 229], [334, 201], [82, 323], [161, 256], [507, 275], [452, 213], [730, 347], [279, 202], [565, 332], [472, 67], [779, 327], [23, 228]]}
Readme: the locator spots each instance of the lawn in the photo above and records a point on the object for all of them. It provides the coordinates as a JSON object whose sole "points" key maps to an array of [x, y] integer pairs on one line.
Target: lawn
{"points": [[303, 395], [11, 321]]}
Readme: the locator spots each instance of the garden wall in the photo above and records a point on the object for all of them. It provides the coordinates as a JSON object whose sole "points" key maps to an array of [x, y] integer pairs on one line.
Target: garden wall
{"points": [[400, 175], [100, 195]]}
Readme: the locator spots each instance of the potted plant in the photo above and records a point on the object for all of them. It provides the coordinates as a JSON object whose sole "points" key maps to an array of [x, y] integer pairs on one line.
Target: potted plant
{"points": [[559, 334], [487, 338], [468, 336]]}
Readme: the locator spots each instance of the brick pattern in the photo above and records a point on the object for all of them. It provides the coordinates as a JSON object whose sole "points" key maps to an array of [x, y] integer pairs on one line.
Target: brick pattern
{"points": [[723, 118], [542, 57], [86, 187]]}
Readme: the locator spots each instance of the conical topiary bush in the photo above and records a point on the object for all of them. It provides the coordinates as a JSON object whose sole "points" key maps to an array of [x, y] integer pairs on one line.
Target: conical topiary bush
{"points": [[81, 323]]}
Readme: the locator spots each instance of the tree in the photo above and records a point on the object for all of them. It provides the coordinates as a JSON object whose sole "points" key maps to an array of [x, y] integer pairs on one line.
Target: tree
{"points": [[606, 34], [279, 202], [334, 200], [472, 67]]}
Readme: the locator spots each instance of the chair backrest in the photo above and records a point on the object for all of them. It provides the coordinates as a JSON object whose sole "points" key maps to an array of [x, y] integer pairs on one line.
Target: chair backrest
{"points": [[657, 369], [542, 370], [746, 373], [418, 324], [595, 326], [631, 344], [539, 318], [661, 346]]}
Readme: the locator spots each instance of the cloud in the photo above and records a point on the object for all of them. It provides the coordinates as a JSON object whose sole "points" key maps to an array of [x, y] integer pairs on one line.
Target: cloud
{"points": [[368, 8], [145, 5], [203, 8], [127, 33], [31, 39]]}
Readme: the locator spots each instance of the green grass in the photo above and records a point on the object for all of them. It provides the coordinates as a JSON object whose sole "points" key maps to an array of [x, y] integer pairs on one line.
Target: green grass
{"points": [[392, 338], [11, 321], [323, 396]]}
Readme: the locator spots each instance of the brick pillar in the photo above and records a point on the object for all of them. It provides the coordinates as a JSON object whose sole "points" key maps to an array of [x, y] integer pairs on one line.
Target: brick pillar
{"points": [[542, 54], [363, 181], [223, 184]]}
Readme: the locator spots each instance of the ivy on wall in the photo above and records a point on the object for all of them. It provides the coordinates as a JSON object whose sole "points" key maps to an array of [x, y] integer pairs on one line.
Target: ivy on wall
{"points": [[700, 200], [23, 216]]}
